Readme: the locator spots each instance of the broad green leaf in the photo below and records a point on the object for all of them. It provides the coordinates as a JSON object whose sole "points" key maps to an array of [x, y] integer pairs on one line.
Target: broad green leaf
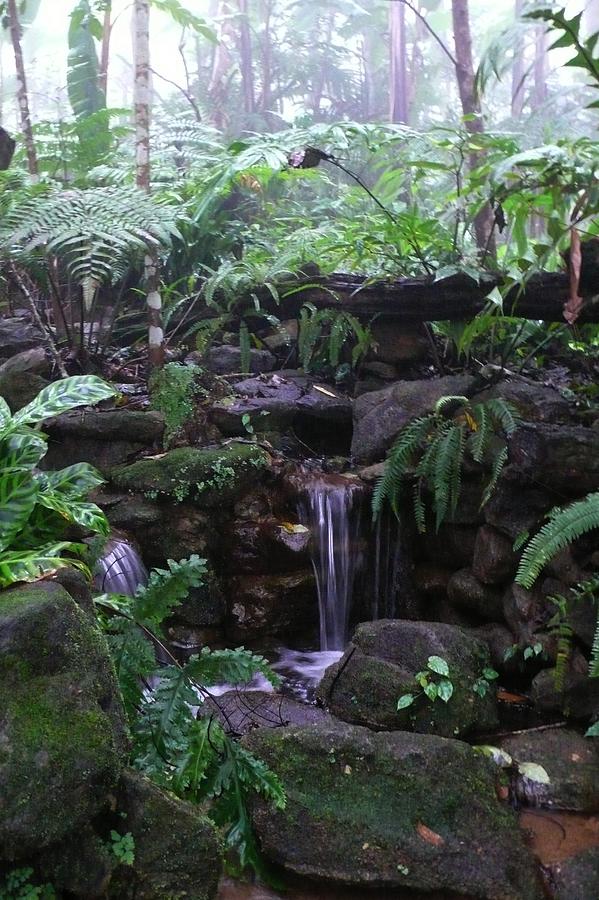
{"points": [[534, 772], [438, 664], [61, 396], [18, 495], [445, 690], [5, 413], [431, 690], [75, 480], [405, 700], [593, 731], [88, 515], [29, 565], [22, 450], [490, 674]]}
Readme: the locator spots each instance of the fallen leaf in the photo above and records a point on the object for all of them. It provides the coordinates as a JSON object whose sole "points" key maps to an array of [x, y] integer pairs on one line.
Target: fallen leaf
{"points": [[431, 837], [534, 772], [325, 391]]}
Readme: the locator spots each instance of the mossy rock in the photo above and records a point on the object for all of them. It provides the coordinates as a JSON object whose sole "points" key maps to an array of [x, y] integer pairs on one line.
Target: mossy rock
{"points": [[206, 476], [62, 733], [177, 851], [380, 666], [387, 810]]}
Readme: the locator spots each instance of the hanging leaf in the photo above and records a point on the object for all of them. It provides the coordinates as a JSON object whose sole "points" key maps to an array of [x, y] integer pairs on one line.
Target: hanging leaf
{"points": [[574, 303], [18, 495], [57, 398]]}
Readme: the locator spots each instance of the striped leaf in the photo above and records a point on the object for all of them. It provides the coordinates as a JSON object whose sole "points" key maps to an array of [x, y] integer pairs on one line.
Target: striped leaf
{"points": [[29, 565], [74, 481], [22, 450], [88, 515], [61, 396], [18, 495], [5, 413]]}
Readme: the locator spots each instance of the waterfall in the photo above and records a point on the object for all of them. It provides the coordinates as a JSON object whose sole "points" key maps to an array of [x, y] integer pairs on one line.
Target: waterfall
{"points": [[120, 569], [331, 508]]}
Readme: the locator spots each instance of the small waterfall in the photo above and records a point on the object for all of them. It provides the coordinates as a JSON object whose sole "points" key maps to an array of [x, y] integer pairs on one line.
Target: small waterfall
{"points": [[331, 508], [120, 569]]}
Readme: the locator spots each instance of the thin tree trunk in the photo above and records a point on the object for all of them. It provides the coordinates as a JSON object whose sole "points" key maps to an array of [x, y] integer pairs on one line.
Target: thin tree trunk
{"points": [[217, 89], [398, 74], [319, 81], [22, 96], [518, 69], [540, 69], [471, 108], [142, 100], [246, 63], [266, 58], [105, 48]]}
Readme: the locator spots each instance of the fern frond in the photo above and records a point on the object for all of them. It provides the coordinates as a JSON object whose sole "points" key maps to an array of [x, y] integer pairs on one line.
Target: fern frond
{"points": [[498, 464], [400, 458], [505, 414], [480, 438], [448, 465], [565, 525]]}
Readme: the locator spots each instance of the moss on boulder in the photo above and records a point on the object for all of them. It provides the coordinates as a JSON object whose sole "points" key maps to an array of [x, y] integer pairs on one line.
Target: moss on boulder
{"points": [[380, 665], [62, 732], [206, 476], [393, 810], [177, 852]]}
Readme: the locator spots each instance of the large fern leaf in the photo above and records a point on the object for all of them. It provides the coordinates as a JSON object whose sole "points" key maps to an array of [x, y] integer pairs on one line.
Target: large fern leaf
{"points": [[565, 525]]}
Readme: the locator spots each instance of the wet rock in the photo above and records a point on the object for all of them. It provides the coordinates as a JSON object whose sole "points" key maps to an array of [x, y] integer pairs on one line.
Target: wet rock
{"points": [[16, 335], [466, 592], [268, 545], [451, 546], [396, 342], [208, 477], [62, 730], [204, 606], [19, 390], [431, 580], [104, 438], [390, 810], [560, 458], [243, 711], [524, 610], [29, 361], [494, 560], [579, 698], [379, 416], [569, 766], [177, 851], [284, 335], [577, 877], [535, 402], [272, 604], [82, 864], [514, 508], [280, 401], [379, 667], [382, 370], [226, 360], [499, 640]]}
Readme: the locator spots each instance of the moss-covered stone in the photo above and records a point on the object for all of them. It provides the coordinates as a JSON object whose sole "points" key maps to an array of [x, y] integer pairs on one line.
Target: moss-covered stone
{"points": [[62, 732], [177, 852], [390, 810], [206, 476], [577, 878], [380, 665]]}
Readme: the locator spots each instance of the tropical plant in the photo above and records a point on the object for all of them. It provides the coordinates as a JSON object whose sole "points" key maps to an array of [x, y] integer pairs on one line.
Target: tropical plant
{"points": [[431, 452], [324, 333], [37, 507], [183, 749]]}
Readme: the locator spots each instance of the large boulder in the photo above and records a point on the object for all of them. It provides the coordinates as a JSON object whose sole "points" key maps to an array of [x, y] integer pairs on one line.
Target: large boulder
{"points": [[17, 334], [380, 666], [379, 416], [227, 360], [399, 811], [272, 604], [27, 362], [466, 592], [535, 402], [62, 731], [102, 437], [18, 390], [494, 560], [577, 877], [565, 773], [560, 458], [206, 476], [177, 851]]}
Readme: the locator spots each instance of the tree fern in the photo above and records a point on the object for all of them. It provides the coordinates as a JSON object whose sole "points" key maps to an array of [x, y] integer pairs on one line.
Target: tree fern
{"points": [[565, 525]]}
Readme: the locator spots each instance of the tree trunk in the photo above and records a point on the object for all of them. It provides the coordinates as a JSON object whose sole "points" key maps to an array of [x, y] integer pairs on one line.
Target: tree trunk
{"points": [[484, 221], [540, 69], [398, 67], [22, 96], [518, 69], [142, 94], [266, 58], [246, 63], [105, 49], [221, 63]]}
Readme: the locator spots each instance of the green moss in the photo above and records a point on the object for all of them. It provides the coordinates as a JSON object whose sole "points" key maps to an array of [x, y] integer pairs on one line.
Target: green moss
{"points": [[203, 475], [173, 390]]}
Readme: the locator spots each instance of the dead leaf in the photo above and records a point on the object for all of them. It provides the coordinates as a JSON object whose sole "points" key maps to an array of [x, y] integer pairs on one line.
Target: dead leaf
{"points": [[431, 837], [325, 391], [574, 303]]}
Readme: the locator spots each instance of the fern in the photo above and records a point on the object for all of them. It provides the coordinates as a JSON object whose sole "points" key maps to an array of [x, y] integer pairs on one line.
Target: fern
{"points": [[432, 449], [565, 525]]}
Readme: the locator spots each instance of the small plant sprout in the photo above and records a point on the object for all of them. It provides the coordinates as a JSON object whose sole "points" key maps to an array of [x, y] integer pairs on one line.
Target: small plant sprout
{"points": [[435, 682]]}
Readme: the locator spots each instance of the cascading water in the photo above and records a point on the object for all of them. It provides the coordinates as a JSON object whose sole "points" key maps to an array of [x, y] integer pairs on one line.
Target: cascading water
{"points": [[120, 569], [332, 509]]}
